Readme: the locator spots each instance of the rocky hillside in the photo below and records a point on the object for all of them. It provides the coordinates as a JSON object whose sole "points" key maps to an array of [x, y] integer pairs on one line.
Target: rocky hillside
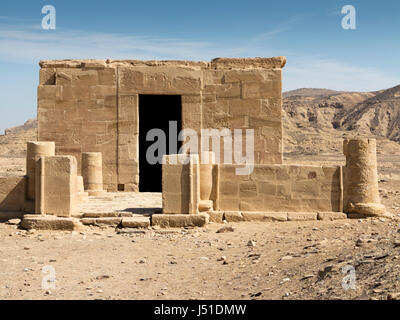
{"points": [[309, 92], [13, 142], [316, 120], [30, 124], [379, 115]]}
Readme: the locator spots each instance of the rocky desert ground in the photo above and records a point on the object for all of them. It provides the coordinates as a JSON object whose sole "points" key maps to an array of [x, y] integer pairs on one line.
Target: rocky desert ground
{"points": [[343, 259]]}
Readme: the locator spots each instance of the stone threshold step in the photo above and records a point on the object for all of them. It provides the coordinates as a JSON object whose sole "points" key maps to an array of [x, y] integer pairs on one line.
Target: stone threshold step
{"points": [[123, 222], [48, 222], [238, 216], [111, 214]]}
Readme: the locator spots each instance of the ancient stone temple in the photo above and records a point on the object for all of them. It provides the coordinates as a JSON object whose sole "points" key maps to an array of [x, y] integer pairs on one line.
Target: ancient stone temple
{"points": [[109, 106], [96, 122]]}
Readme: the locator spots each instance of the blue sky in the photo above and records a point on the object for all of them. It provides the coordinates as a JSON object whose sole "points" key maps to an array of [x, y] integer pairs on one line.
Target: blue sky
{"points": [[320, 53]]}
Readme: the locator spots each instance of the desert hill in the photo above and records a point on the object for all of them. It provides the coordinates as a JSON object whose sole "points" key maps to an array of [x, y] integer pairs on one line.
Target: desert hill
{"points": [[316, 120], [13, 142], [379, 115], [309, 92], [29, 124]]}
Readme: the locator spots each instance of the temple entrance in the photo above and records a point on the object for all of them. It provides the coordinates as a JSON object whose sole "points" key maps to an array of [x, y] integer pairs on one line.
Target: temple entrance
{"points": [[157, 112]]}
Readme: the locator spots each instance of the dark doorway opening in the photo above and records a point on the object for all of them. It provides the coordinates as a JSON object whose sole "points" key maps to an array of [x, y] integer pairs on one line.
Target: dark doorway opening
{"points": [[156, 112]]}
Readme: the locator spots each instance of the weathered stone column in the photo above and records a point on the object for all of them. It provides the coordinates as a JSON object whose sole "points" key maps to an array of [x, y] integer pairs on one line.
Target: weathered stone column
{"points": [[35, 150], [92, 172], [361, 191], [206, 180]]}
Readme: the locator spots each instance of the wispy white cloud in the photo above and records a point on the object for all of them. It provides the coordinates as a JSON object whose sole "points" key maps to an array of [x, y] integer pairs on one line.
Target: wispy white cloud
{"points": [[279, 29], [29, 44], [32, 44], [311, 72]]}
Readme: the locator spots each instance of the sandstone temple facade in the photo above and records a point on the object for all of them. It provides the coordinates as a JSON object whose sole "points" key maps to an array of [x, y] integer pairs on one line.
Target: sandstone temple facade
{"points": [[93, 120]]}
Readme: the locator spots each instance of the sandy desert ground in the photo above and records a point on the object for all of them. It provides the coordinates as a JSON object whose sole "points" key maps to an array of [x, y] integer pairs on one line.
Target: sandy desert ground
{"points": [[289, 260]]}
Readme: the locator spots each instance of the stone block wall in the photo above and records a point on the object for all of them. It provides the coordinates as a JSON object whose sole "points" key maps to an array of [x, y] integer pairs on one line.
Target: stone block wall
{"points": [[247, 94], [12, 193], [281, 188], [92, 106], [77, 108]]}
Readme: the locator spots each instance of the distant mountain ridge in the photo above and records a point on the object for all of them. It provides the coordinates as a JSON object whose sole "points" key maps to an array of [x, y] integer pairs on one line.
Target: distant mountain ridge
{"points": [[29, 124], [379, 115], [316, 120], [310, 92], [13, 142]]}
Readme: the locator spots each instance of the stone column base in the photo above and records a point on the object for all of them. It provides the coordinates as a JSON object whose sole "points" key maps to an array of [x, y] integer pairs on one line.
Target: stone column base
{"points": [[366, 209]]}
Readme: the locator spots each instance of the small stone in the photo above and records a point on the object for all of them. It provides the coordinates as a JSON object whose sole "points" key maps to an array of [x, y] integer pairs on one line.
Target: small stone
{"points": [[394, 296], [251, 243], [382, 256], [225, 229], [256, 294], [285, 280], [14, 221], [364, 241]]}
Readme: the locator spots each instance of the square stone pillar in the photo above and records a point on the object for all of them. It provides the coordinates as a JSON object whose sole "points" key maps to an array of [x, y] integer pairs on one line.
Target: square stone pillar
{"points": [[56, 186], [180, 184]]}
